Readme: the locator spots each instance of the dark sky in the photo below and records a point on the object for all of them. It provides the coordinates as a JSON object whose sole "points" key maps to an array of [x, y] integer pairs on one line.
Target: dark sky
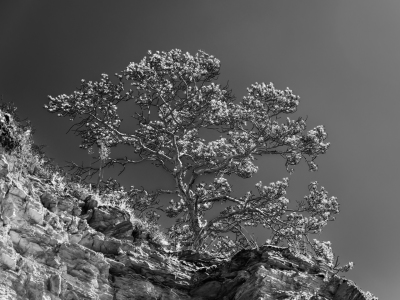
{"points": [[341, 57]]}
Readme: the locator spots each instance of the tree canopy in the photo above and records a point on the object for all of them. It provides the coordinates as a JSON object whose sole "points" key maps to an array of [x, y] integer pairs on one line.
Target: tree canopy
{"points": [[177, 99]]}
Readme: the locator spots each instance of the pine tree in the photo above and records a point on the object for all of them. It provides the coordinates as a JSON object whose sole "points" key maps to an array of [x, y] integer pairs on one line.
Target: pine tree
{"points": [[178, 99]]}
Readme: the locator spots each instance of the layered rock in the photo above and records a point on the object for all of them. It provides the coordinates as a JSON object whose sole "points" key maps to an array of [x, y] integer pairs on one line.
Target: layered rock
{"points": [[66, 246]]}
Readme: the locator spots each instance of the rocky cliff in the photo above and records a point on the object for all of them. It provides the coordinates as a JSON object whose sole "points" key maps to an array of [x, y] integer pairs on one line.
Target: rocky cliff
{"points": [[57, 242]]}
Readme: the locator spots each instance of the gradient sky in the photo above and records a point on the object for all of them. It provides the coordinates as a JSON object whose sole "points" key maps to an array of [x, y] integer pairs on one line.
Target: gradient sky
{"points": [[341, 57]]}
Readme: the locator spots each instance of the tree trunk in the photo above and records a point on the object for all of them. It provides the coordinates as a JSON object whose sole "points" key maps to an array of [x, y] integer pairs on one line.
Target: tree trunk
{"points": [[98, 179]]}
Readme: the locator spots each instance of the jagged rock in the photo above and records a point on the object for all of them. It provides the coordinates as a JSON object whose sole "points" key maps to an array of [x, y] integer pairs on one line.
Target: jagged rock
{"points": [[105, 217], [97, 242], [54, 248], [209, 290], [68, 205], [139, 287], [49, 201], [12, 208], [8, 255], [61, 204], [230, 286], [123, 230], [89, 204], [55, 284], [347, 289], [4, 166]]}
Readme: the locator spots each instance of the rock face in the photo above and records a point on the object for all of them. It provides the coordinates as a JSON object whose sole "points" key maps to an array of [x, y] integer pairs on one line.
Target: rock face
{"points": [[66, 247]]}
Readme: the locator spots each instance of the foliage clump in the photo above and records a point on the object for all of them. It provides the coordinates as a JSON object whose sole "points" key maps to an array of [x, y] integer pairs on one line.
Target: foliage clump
{"points": [[178, 103]]}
